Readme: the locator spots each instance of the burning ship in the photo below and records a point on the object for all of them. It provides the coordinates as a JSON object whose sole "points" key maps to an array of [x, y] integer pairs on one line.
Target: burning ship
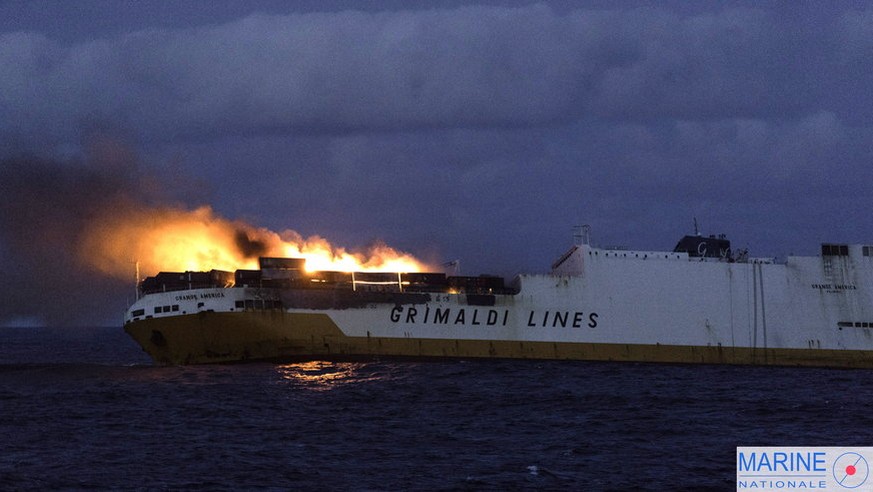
{"points": [[700, 303]]}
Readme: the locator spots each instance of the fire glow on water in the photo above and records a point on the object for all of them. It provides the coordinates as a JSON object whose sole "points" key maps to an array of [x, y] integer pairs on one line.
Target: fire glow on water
{"points": [[174, 239]]}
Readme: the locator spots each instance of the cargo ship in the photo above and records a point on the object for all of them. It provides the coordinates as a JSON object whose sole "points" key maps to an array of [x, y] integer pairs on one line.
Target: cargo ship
{"points": [[699, 303]]}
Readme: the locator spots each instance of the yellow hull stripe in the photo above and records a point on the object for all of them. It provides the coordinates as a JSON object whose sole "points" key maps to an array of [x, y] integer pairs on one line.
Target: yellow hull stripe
{"points": [[228, 337]]}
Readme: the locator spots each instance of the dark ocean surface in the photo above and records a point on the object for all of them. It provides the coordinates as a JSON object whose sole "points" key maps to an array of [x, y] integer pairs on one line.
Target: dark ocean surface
{"points": [[85, 409]]}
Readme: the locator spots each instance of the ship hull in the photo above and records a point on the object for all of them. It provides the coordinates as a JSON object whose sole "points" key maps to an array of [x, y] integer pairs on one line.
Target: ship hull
{"points": [[213, 337], [595, 305]]}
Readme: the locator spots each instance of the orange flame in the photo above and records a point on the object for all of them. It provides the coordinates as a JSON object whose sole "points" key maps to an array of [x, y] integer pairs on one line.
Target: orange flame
{"points": [[171, 239]]}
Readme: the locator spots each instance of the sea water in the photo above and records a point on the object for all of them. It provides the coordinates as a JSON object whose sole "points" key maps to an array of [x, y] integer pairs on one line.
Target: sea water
{"points": [[84, 408]]}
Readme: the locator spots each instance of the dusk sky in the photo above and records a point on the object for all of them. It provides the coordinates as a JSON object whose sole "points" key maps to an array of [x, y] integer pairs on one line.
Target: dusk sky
{"points": [[458, 130]]}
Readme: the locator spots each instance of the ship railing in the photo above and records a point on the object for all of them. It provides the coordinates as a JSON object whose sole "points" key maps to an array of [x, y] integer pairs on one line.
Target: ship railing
{"points": [[399, 282], [181, 286]]}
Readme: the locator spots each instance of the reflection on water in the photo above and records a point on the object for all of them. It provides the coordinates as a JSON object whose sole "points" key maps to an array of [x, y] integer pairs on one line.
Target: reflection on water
{"points": [[324, 375]]}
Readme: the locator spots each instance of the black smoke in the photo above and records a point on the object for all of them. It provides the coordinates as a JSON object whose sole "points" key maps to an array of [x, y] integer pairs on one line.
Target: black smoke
{"points": [[45, 205], [249, 247]]}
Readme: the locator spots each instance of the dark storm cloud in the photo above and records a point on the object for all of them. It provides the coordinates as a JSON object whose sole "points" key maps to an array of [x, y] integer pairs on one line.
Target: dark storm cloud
{"points": [[780, 187], [469, 66], [472, 132]]}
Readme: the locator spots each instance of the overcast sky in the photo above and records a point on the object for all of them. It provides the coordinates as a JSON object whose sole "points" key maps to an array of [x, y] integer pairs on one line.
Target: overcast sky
{"points": [[475, 131]]}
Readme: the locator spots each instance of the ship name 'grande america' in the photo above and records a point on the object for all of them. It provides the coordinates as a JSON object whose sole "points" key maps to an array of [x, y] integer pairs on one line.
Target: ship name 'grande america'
{"points": [[490, 317]]}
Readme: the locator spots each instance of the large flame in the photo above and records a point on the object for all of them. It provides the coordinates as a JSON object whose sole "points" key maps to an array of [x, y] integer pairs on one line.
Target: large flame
{"points": [[174, 239]]}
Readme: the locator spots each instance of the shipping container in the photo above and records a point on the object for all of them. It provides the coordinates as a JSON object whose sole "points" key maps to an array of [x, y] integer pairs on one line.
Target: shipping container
{"points": [[248, 278]]}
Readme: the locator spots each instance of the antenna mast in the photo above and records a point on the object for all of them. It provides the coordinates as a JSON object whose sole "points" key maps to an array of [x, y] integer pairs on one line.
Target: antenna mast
{"points": [[581, 234]]}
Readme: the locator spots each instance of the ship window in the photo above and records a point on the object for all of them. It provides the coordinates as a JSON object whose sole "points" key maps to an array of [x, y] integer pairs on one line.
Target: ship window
{"points": [[834, 250], [240, 304], [200, 304], [868, 251], [846, 324], [175, 307], [157, 309], [250, 304], [138, 312], [166, 309]]}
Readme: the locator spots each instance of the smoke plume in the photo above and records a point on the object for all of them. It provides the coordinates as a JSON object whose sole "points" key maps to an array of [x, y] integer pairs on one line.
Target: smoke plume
{"points": [[73, 235]]}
